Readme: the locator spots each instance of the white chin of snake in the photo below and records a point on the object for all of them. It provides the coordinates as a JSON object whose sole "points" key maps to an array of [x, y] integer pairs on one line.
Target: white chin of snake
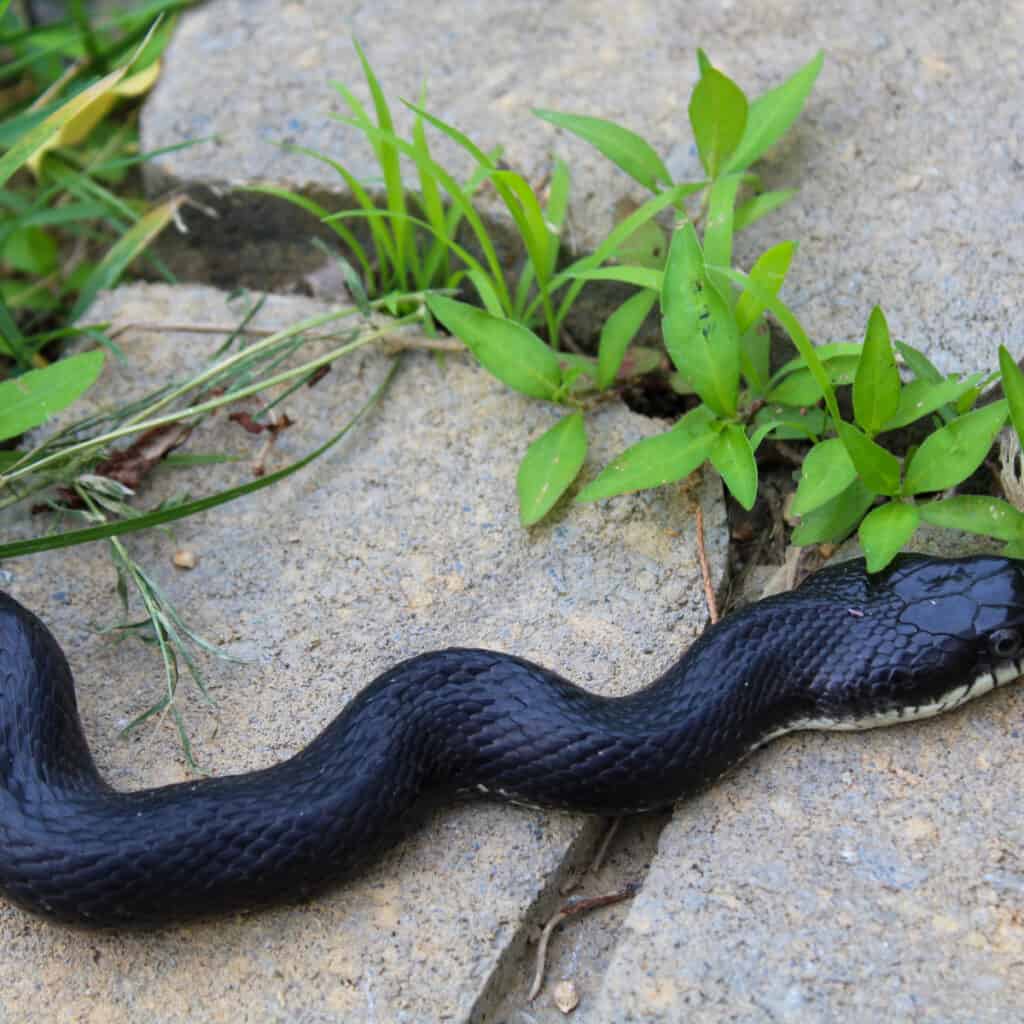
{"points": [[1005, 672]]}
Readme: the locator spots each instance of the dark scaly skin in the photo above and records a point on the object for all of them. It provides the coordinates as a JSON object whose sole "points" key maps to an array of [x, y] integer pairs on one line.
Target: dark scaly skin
{"points": [[455, 721]]}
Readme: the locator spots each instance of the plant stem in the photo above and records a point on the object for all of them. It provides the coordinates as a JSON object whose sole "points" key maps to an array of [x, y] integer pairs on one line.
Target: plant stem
{"points": [[140, 422]]}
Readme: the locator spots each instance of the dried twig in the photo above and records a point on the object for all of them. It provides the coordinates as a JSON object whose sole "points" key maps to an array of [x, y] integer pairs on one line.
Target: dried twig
{"points": [[602, 850], [705, 570], [577, 905]]}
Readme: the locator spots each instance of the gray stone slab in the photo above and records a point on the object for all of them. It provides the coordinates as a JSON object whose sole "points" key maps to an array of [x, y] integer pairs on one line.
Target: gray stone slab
{"points": [[404, 540], [841, 877], [908, 157]]}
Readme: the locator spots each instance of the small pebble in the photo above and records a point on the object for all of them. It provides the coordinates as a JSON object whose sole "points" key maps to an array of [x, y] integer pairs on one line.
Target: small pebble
{"points": [[185, 559], [566, 997]]}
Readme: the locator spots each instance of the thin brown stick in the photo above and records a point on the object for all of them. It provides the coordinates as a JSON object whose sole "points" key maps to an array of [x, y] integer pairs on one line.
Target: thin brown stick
{"points": [[602, 850], [577, 905], [705, 570]]}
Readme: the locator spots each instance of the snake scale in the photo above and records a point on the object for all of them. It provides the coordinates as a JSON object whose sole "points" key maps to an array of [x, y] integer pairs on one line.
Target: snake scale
{"points": [[845, 650]]}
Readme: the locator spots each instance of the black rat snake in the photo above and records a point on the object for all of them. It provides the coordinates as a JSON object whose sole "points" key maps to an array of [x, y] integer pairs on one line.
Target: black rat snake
{"points": [[844, 650]]}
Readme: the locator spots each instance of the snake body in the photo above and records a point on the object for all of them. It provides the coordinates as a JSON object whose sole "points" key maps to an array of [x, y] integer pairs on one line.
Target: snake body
{"points": [[844, 650]]}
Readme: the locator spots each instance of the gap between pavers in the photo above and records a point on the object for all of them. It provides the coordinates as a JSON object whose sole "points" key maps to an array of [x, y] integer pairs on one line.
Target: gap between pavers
{"points": [[403, 539], [841, 877], [908, 156]]}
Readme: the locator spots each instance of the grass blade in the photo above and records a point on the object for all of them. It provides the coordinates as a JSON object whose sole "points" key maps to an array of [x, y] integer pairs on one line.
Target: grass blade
{"points": [[169, 515], [387, 157], [128, 246]]}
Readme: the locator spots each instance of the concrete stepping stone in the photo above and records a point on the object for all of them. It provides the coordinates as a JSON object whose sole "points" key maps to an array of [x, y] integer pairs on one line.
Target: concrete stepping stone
{"points": [[404, 539], [908, 156]]}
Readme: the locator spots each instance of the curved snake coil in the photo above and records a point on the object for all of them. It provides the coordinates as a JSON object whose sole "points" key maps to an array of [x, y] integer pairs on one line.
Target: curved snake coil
{"points": [[843, 651]]}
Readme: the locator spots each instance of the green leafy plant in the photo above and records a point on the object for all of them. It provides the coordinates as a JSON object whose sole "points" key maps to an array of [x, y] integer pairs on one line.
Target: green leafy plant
{"points": [[712, 319], [711, 334]]}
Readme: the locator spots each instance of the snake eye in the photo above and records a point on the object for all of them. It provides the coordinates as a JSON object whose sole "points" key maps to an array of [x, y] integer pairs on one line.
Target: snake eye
{"points": [[1005, 643]]}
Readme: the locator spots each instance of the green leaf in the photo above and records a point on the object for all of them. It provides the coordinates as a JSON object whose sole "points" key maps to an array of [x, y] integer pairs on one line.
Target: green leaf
{"points": [[718, 114], [658, 460], [793, 328], [642, 277], [699, 329], [609, 245], [718, 230], [793, 424], [618, 331], [627, 150], [878, 468], [827, 471], [772, 114], [760, 206], [513, 353], [1013, 388], [975, 513], [885, 530], [31, 250], [803, 388], [826, 354], [769, 272], [29, 400], [954, 452], [645, 247], [920, 365], [558, 195], [876, 388], [550, 465], [836, 519], [921, 397], [733, 457], [755, 358]]}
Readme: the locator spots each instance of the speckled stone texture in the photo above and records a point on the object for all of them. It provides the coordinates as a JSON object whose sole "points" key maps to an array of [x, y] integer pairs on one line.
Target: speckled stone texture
{"points": [[402, 540], [841, 877], [908, 157]]}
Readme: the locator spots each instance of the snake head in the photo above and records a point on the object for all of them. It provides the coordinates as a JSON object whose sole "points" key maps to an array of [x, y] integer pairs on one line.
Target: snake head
{"points": [[954, 628]]}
